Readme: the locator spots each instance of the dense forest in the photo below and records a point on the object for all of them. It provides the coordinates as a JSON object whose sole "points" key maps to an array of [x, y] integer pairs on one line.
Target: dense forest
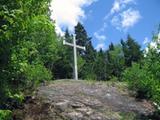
{"points": [[31, 53]]}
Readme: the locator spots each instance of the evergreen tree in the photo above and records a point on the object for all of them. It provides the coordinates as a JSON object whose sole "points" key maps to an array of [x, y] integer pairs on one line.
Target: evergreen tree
{"points": [[81, 35], [111, 46], [100, 65], [68, 37], [109, 62], [63, 66], [82, 38], [88, 56], [144, 78], [116, 61], [132, 51]]}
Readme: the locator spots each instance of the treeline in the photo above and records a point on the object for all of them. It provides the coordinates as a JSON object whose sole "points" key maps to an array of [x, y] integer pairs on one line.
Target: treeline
{"points": [[97, 65], [31, 53]]}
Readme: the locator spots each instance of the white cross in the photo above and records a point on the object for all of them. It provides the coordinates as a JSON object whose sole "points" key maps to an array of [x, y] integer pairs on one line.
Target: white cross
{"points": [[75, 55]]}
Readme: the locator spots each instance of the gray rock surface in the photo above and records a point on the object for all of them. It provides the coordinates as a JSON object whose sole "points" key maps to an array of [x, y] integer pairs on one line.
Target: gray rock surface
{"points": [[82, 100]]}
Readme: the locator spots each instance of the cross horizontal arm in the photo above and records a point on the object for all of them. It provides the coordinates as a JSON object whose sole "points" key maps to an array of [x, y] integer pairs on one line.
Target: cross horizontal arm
{"points": [[67, 43], [80, 47], [70, 44]]}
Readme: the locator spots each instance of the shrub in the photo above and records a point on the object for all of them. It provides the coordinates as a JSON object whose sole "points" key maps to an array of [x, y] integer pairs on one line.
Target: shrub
{"points": [[144, 82], [5, 115], [90, 76], [19, 97], [36, 74], [139, 80]]}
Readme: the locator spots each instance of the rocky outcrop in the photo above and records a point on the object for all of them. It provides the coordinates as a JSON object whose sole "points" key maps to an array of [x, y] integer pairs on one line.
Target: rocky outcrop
{"points": [[82, 100]]}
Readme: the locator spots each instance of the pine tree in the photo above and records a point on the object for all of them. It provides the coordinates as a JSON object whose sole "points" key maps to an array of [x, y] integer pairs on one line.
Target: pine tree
{"points": [[63, 66], [81, 34], [82, 38], [111, 46], [100, 65], [109, 62], [88, 55], [116, 61], [132, 51]]}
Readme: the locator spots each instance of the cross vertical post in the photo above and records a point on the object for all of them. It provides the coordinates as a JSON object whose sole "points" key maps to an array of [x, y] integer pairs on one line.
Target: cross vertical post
{"points": [[75, 55], [75, 59]]}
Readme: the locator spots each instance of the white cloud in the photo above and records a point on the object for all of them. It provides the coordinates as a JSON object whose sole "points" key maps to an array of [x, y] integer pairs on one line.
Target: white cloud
{"points": [[116, 22], [126, 19], [130, 18], [99, 37], [100, 46], [128, 1], [119, 5], [59, 30], [104, 26], [67, 13], [123, 15], [116, 6]]}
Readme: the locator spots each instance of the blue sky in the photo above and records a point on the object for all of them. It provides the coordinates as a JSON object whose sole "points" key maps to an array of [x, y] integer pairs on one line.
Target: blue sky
{"points": [[108, 21]]}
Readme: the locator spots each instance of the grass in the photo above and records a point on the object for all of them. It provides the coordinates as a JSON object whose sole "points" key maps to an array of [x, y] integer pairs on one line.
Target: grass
{"points": [[128, 116]]}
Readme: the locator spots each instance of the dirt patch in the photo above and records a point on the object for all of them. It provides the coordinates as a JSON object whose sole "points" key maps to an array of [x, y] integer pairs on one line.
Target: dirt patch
{"points": [[83, 100]]}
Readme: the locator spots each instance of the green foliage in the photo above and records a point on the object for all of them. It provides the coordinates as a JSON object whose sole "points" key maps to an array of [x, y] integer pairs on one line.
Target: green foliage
{"points": [[5, 115], [87, 57], [115, 61], [139, 80], [19, 97], [80, 63], [114, 79], [144, 78], [81, 35], [30, 53], [91, 76], [36, 74], [128, 116], [27, 45], [63, 65], [100, 66], [143, 82], [132, 51]]}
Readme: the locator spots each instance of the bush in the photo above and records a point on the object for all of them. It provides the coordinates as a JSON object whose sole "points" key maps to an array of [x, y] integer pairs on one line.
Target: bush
{"points": [[90, 76], [17, 97], [36, 74], [143, 82], [12, 100], [156, 93], [5, 115], [138, 80], [114, 79]]}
